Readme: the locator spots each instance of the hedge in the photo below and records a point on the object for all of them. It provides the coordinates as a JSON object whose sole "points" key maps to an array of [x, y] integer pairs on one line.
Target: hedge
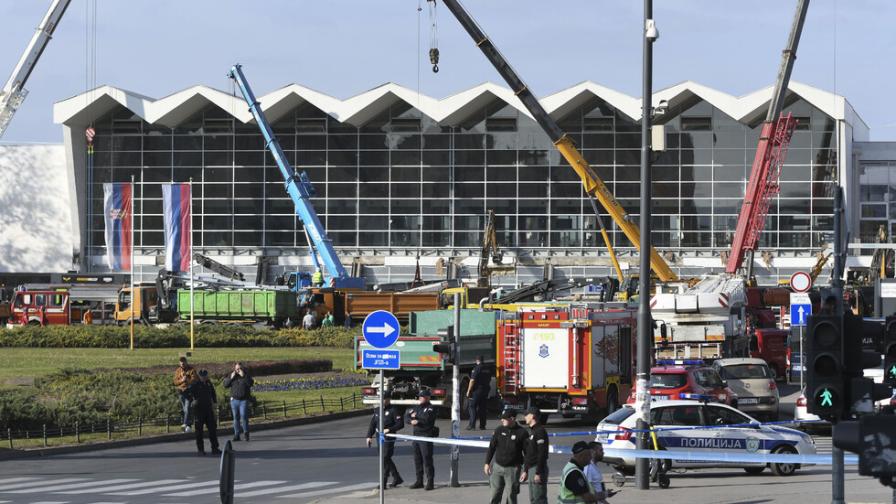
{"points": [[255, 368], [174, 336]]}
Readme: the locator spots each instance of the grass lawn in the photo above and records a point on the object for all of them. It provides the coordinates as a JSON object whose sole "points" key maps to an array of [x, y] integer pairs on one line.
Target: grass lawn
{"points": [[22, 365]]}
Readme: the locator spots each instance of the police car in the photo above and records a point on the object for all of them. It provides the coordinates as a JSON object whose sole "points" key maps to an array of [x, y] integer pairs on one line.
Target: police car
{"points": [[615, 431]]}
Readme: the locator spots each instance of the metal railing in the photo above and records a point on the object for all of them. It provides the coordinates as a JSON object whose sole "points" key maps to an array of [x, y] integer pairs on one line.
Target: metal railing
{"points": [[111, 429]]}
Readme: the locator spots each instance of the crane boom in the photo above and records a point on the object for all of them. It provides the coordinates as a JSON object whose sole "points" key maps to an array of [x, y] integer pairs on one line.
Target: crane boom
{"points": [[593, 185], [13, 93], [774, 140], [300, 190]]}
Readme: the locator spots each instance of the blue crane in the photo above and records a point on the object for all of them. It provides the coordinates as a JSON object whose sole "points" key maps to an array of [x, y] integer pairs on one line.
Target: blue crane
{"points": [[300, 190]]}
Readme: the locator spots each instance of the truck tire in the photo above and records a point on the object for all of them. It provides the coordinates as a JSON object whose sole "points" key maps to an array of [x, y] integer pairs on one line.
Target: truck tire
{"points": [[612, 399]]}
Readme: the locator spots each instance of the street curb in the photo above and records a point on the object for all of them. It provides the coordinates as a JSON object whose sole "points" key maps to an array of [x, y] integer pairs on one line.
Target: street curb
{"points": [[166, 438]]}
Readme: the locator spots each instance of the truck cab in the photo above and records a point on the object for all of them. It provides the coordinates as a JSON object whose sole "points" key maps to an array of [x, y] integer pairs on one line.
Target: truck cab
{"points": [[146, 305], [44, 307]]}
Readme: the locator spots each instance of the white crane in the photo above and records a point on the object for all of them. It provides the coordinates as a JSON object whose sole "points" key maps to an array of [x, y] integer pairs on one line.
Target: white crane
{"points": [[13, 93]]}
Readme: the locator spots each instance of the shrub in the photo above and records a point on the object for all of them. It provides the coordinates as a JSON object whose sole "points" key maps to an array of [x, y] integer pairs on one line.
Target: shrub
{"points": [[174, 336]]}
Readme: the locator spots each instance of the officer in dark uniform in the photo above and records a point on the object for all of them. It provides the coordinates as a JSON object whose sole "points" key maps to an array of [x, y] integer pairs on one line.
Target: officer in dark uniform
{"points": [[477, 393], [423, 418], [537, 449], [392, 423], [203, 395]]}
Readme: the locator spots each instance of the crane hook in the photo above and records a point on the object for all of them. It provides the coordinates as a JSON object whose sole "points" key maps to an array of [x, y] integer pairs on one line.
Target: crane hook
{"points": [[434, 59]]}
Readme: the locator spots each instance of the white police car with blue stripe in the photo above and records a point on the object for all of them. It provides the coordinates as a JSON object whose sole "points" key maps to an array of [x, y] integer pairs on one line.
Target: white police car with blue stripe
{"points": [[704, 427]]}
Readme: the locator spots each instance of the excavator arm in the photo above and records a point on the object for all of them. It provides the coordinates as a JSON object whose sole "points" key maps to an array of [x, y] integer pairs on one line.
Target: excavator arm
{"points": [[593, 185]]}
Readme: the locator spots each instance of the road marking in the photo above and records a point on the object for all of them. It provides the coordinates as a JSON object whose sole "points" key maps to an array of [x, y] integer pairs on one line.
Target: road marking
{"points": [[71, 486], [116, 488], [50, 502], [216, 490], [185, 486], [303, 486], [6, 488], [13, 480], [315, 493]]}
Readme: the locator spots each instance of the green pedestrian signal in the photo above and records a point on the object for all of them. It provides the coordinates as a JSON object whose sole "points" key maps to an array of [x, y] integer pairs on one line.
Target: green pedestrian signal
{"points": [[893, 371], [826, 396]]}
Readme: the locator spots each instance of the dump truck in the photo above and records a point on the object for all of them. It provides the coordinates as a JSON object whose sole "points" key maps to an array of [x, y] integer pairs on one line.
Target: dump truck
{"points": [[422, 368], [360, 304], [576, 362], [273, 306]]}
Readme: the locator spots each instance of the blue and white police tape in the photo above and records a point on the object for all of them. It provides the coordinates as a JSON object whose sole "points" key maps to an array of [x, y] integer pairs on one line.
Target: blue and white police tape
{"points": [[667, 429], [677, 455]]}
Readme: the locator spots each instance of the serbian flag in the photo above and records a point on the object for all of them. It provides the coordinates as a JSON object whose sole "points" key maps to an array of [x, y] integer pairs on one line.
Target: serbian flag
{"points": [[119, 217], [176, 203]]}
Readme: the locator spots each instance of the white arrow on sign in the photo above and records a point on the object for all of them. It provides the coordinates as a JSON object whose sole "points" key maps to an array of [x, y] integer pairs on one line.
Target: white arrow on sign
{"points": [[802, 312], [385, 330]]}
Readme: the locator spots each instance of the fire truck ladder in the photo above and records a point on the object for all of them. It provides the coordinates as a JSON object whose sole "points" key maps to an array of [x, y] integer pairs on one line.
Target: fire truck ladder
{"points": [[511, 361], [774, 139]]}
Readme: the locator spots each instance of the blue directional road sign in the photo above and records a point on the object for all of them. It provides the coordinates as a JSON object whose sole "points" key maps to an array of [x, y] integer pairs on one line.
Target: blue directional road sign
{"points": [[381, 329], [380, 359], [799, 314]]}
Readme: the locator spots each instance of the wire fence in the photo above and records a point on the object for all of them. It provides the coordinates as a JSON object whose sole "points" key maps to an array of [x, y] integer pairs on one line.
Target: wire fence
{"points": [[113, 429]]}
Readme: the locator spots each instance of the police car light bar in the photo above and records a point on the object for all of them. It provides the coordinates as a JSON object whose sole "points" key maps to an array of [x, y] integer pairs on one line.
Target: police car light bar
{"points": [[680, 362], [697, 397]]}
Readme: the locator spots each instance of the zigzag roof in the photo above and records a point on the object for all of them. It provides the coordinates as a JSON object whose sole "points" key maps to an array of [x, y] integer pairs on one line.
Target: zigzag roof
{"points": [[452, 110]]}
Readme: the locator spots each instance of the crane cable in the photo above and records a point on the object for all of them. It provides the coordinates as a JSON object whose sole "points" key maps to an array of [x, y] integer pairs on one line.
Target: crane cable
{"points": [[433, 37]]}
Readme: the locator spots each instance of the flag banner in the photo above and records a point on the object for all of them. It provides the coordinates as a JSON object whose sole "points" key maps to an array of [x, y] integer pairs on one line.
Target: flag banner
{"points": [[118, 214], [176, 204]]}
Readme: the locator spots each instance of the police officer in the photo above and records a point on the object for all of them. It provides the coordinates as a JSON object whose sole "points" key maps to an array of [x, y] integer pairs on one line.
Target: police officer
{"points": [[477, 393], [392, 422], [506, 447], [203, 395], [423, 418], [574, 486], [537, 448]]}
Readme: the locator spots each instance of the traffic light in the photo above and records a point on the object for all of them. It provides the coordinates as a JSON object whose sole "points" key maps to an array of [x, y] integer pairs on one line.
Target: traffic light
{"points": [[825, 392], [872, 438], [889, 351], [447, 345], [858, 336]]}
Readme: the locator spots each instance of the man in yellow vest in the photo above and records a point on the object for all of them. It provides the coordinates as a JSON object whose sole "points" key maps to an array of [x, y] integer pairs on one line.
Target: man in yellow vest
{"points": [[574, 486], [317, 279]]}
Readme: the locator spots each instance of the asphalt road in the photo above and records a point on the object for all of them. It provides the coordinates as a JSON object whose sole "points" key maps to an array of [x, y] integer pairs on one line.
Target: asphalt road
{"points": [[326, 462]]}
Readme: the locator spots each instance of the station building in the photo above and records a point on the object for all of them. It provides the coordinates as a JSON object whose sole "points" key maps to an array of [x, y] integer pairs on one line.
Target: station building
{"points": [[404, 179]]}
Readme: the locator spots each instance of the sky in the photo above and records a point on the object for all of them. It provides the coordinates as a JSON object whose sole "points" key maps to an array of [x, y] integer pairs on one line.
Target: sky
{"points": [[345, 47]]}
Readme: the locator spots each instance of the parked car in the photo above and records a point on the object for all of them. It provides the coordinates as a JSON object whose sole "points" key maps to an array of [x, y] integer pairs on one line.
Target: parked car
{"points": [[745, 435], [754, 383], [670, 382]]}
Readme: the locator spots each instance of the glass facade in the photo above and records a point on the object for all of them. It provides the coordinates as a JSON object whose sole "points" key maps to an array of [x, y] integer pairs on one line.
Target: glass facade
{"points": [[405, 182], [877, 200]]}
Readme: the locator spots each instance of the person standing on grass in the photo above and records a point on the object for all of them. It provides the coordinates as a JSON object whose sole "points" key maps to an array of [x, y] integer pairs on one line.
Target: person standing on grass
{"points": [[203, 393], [240, 384], [309, 321], [328, 321], [184, 376]]}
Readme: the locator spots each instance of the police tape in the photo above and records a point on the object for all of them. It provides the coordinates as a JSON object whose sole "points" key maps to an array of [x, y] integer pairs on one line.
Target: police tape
{"points": [[782, 423], [674, 455]]}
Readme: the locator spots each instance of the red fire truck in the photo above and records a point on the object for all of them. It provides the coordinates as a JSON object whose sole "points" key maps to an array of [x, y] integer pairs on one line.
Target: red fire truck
{"points": [[44, 307], [575, 362]]}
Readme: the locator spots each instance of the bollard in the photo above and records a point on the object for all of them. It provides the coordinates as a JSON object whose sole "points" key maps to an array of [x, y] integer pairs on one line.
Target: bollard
{"points": [[227, 472], [167, 424], [322, 407], [284, 409], [304, 408], [9, 435], [45, 435], [264, 410], [109, 428], [78, 432], [341, 406], [140, 425], [354, 401]]}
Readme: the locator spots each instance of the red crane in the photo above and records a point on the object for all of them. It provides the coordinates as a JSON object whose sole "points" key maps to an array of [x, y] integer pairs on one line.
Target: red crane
{"points": [[770, 154]]}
